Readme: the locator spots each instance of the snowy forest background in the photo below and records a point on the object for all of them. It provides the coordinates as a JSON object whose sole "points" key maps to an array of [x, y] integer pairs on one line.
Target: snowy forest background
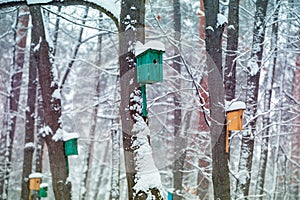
{"points": [[84, 57]]}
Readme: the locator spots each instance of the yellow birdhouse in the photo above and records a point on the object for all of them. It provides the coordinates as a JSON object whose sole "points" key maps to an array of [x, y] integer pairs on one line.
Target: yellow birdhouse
{"points": [[35, 181], [234, 118]]}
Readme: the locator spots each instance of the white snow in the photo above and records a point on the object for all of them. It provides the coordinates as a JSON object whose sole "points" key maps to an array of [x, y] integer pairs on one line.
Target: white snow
{"points": [[253, 67], [109, 5], [147, 176], [56, 94], [44, 185], [234, 105], [231, 27], [37, 47], [221, 20], [69, 136], [29, 145], [58, 136], [153, 44], [46, 130], [29, 2], [35, 175], [135, 97], [210, 28]]}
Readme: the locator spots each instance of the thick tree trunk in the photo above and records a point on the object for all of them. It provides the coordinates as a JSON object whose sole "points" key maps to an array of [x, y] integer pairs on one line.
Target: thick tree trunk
{"points": [[254, 65], [52, 108], [130, 32], [220, 170], [132, 25]]}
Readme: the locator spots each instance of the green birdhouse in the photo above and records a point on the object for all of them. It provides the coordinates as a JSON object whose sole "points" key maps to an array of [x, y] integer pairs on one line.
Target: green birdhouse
{"points": [[43, 192], [149, 62], [71, 144]]}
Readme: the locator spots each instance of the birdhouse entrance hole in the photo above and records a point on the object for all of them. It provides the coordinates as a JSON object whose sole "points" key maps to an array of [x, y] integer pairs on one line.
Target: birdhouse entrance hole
{"points": [[35, 181], [149, 60]]}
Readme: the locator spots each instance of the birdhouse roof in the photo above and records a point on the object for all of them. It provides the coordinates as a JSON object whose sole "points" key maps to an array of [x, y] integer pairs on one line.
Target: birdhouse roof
{"points": [[35, 175], [70, 136], [44, 185], [235, 105], [154, 45]]}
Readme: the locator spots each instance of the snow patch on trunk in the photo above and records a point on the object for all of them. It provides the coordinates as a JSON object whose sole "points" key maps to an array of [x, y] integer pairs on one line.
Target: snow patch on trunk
{"points": [[147, 175], [29, 145]]}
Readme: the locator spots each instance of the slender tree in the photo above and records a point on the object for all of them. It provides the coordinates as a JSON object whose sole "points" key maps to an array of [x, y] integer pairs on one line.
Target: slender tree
{"points": [[267, 103], [89, 157], [16, 81], [179, 139], [253, 68]]}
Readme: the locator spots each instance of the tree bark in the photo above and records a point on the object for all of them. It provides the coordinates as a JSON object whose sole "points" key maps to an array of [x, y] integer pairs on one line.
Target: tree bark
{"points": [[132, 25], [52, 108], [267, 104], [254, 65], [16, 81], [231, 51], [29, 124], [213, 41], [179, 139], [129, 33], [115, 174], [89, 158]]}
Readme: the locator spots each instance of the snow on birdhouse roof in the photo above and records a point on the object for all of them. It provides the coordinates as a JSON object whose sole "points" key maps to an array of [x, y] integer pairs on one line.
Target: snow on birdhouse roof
{"points": [[235, 105], [44, 185], [35, 175], [70, 136], [154, 45]]}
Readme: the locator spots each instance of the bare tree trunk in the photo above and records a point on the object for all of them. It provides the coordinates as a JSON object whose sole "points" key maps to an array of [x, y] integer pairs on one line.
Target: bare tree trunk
{"points": [[16, 81], [101, 177], [29, 124], [267, 105], [202, 179], [254, 65], [89, 158], [52, 107], [180, 140], [115, 174], [132, 25], [40, 140], [231, 51], [127, 36], [293, 181], [214, 31]]}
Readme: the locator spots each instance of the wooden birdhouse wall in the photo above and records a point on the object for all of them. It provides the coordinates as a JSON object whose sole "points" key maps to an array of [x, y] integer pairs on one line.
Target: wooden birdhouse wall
{"points": [[71, 147], [34, 183], [149, 67], [235, 120]]}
